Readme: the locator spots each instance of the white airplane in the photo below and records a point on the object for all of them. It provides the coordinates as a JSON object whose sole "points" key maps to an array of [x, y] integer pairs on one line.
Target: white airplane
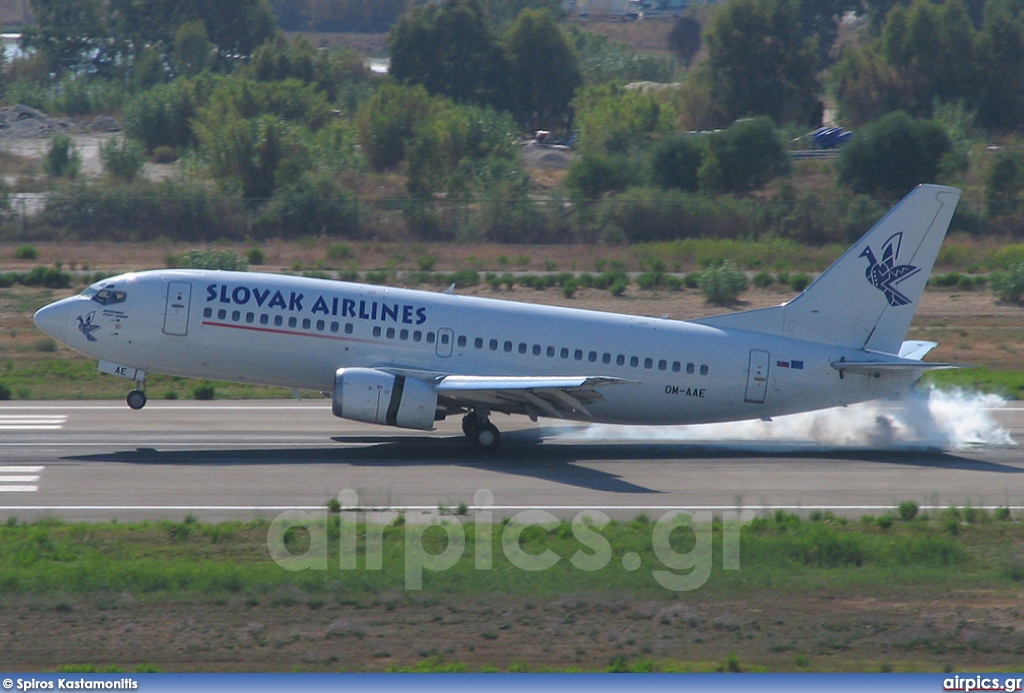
{"points": [[409, 358]]}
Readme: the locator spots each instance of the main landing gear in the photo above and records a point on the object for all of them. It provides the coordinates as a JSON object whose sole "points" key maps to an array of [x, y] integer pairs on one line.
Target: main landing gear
{"points": [[137, 398], [480, 431]]}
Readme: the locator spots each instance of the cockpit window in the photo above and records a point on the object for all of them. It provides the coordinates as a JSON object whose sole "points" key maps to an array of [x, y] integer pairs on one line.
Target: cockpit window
{"points": [[108, 297]]}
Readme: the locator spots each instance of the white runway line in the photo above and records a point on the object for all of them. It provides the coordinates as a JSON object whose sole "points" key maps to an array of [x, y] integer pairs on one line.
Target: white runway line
{"points": [[433, 508], [20, 478], [32, 422]]}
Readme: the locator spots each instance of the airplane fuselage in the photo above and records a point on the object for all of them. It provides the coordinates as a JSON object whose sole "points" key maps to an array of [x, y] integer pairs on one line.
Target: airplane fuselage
{"points": [[297, 332]]}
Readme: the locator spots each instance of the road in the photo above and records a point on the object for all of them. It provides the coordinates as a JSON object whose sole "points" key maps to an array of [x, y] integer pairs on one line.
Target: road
{"points": [[98, 461]]}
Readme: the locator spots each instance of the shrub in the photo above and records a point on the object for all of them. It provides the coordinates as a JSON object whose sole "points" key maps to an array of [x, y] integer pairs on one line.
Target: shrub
{"points": [[26, 252], [799, 282], [49, 277], [255, 256], [164, 154], [122, 158], [892, 155], [313, 204], [907, 510], [62, 159], [211, 259], [205, 391], [675, 162], [5, 392], [744, 157], [722, 284], [1008, 286], [763, 279], [596, 173]]}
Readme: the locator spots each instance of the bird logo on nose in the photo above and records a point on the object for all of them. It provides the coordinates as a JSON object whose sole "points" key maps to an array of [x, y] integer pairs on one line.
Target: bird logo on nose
{"points": [[87, 327]]}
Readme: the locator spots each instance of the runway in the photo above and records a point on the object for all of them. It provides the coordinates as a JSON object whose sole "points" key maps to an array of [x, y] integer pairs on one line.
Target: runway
{"points": [[98, 461]]}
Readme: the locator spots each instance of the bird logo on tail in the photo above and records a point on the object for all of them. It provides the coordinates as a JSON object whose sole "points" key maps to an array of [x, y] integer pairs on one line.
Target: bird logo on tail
{"points": [[884, 275]]}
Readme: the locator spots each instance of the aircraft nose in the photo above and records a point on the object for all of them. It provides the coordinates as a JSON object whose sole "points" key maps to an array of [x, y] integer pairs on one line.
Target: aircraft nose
{"points": [[53, 320]]}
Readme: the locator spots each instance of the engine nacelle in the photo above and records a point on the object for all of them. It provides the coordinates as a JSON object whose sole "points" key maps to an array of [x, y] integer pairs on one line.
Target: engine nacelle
{"points": [[372, 396]]}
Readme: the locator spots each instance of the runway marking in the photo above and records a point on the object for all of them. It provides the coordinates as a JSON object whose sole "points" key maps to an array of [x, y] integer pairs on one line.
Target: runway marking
{"points": [[32, 422], [433, 508], [122, 407], [19, 478]]}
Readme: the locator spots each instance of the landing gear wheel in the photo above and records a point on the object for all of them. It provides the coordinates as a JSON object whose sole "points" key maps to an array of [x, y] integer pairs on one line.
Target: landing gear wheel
{"points": [[487, 436], [136, 399]]}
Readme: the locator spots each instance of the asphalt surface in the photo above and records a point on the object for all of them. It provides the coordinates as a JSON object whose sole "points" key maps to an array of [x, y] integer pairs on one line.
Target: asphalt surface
{"points": [[218, 460]]}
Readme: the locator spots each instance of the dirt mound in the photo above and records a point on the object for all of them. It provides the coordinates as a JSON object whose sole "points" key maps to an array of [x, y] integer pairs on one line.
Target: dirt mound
{"points": [[537, 155], [27, 123]]}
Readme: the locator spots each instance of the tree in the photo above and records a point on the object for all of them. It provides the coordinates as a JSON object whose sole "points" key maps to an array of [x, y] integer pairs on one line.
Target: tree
{"points": [[866, 86], [388, 120], [450, 50], [676, 161], [235, 27], [1000, 57], [249, 151], [760, 62], [744, 157], [685, 38], [1002, 184], [613, 119], [67, 33], [932, 46], [313, 204], [122, 158], [62, 158], [193, 51], [544, 73], [893, 155], [107, 36]]}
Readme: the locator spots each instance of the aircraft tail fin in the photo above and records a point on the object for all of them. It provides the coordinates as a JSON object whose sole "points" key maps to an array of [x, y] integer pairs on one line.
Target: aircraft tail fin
{"points": [[867, 298]]}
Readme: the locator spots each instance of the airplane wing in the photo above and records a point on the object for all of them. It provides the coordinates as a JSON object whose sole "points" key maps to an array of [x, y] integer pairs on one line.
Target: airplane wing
{"points": [[533, 396]]}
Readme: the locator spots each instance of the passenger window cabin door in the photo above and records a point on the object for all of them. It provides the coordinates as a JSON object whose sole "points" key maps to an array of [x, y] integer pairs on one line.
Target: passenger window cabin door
{"points": [[757, 377], [179, 296], [443, 345]]}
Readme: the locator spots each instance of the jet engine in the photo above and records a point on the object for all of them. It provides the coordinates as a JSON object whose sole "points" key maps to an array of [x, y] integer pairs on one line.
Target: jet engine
{"points": [[373, 396]]}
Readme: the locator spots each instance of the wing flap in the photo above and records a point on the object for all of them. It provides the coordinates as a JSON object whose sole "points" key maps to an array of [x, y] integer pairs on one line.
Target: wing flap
{"points": [[555, 396]]}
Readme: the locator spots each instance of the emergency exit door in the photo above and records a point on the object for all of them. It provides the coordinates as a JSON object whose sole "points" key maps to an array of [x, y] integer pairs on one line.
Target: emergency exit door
{"points": [[179, 296], [757, 377]]}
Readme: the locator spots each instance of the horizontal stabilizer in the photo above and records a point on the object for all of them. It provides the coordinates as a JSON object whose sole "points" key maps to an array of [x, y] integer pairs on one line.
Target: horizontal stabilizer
{"points": [[889, 365], [915, 351]]}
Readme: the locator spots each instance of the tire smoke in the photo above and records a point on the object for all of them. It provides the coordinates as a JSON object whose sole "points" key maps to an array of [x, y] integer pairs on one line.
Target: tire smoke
{"points": [[925, 420]]}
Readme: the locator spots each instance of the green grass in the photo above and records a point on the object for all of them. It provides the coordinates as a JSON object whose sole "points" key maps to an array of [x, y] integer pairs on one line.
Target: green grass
{"points": [[48, 375], [1006, 383], [782, 554]]}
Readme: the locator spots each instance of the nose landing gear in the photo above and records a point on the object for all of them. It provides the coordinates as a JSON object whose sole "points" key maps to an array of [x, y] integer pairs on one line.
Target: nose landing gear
{"points": [[480, 431], [137, 398]]}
